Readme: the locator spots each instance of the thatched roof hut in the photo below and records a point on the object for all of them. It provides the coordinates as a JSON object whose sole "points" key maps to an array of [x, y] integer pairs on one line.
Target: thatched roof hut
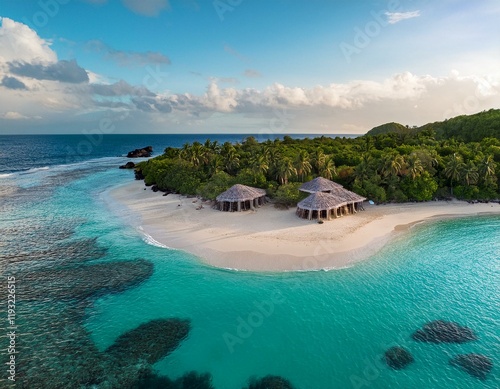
{"points": [[341, 202], [240, 198], [319, 184], [320, 205]]}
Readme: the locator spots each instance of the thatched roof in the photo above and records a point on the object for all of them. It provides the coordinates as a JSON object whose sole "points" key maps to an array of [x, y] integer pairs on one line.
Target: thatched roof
{"points": [[240, 192], [319, 184], [321, 201], [348, 196]]}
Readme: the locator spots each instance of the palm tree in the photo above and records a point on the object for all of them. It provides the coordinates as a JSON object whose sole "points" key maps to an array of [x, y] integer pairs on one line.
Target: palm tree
{"points": [[363, 171], [284, 170], [469, 173], [230, 157], [453, 169], [328, 169], [397, 165], [303, 164], [487, 168], [319, 160], [259, 164], [414, 166]]}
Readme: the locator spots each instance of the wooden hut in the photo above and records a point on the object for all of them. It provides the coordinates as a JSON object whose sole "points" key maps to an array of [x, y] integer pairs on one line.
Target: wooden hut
{"points": [[321, 205], [353, 200], [240, 198], [319, 184], [347, 201]]}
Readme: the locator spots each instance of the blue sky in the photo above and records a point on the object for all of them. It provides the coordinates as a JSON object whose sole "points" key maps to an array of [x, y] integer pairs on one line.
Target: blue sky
{"points": [[243, 65]]}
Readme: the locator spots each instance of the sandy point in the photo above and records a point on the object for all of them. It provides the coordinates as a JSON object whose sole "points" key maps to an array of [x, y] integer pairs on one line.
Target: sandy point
{"points": [[269, 239]]}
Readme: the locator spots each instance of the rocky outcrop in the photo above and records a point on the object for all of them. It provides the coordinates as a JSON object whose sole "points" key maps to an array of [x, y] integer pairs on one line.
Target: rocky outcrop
{"points": [[476, 365], [398, 357], [440, 331], [138, 174], [145, 152], [128, 165]]}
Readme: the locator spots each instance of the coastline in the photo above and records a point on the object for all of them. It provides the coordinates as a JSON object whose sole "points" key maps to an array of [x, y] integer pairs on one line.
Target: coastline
{"points": [[271, 240]]}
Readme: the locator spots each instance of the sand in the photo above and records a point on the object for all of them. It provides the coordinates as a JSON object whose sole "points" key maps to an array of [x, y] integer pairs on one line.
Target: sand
{"points": [[269, 239]]}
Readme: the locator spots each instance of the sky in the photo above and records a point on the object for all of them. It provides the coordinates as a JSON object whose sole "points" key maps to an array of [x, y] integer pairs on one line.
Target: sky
{"points": [[244, 66]]}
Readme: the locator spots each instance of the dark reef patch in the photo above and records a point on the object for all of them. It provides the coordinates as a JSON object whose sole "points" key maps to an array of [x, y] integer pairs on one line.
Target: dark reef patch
{"points": [[77, 283], [149, 342], [476, 365], [270, 382], [192, 380], [398, 357], [440, 331]]}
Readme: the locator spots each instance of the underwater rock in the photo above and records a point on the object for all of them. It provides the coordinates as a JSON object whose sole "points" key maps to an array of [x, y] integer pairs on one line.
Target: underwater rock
{"points": [[440, 331], [64, 252], [398, 357], [270, 382], [150, 341], [77, 283], [145, 152], [191, 380], [128, 165], [476, 365], [55, 349]]}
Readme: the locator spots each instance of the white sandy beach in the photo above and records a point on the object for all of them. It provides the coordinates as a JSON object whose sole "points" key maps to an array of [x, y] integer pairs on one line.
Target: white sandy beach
{"points": [[269, 239]]}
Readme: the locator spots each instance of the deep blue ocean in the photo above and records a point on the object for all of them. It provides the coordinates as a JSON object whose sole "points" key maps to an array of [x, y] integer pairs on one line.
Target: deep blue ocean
{"points": [[84, 278]]}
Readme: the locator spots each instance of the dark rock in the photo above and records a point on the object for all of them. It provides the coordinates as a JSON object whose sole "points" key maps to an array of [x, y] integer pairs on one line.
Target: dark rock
{"points": [[155, 188], [138, 174], [128, 165], [440, 331], [398, 357], [476, 365], [145, 152], [150, 341], [270, 382]]}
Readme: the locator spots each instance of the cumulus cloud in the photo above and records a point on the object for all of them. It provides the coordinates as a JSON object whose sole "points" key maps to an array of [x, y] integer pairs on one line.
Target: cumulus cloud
{"points": [[12, 83], [120, 88], [20, 43], [127, 58], [62, 71], [12, 115], [396, 17]]}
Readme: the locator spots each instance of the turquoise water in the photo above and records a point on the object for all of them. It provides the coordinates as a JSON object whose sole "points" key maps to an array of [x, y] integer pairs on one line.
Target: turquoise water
{"points": [[320, 330]]}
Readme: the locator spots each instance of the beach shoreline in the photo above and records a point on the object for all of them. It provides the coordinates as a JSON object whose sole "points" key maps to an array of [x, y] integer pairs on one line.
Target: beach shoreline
{"points": [[272, 240]]}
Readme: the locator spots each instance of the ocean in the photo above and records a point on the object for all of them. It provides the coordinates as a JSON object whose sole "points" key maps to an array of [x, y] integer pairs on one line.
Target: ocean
{"points": [[83, 278]]}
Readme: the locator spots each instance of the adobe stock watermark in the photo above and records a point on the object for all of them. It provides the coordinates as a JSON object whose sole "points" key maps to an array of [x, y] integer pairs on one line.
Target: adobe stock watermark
{"points": [[364, 36], [11, 328], [246, 325], [154, 77], [223, 6], [48, 10]]}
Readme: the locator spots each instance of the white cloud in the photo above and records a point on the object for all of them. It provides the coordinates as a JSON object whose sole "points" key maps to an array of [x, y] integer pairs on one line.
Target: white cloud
{"points": [[12, 115], [18, 42], [396, 17]]}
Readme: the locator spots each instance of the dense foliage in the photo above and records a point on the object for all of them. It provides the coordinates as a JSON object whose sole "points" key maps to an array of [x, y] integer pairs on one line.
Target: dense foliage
{"points": [[464, 128], [385, 167]]}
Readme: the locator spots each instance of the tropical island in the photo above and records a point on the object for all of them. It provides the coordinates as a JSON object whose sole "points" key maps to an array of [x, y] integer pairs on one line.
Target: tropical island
{"points": [[401, 167]]}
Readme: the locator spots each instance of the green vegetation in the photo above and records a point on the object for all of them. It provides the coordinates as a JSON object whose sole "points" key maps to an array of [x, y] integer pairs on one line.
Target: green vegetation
{"points": [[416, 166], [471, 128]]}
